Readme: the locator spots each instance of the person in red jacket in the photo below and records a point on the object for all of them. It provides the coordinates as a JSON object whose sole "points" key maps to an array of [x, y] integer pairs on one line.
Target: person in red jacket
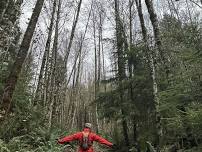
{"points": [[86, 139]]}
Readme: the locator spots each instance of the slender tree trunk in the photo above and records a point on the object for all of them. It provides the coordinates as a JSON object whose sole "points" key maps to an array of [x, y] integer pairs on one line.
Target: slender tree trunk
{"points": [[131, 2], [95, 53], [73, 98], [121, 68], [153, 76], [99, 50], [154, 20], [45, 55], [17, 66], [72, 35], [103, 61], [130, 66], [155, 25], [79, 67], [96, 74], [54, 90]]}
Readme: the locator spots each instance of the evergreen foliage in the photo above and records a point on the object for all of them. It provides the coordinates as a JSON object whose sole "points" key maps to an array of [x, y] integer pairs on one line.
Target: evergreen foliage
{"points": [[121, 106]]}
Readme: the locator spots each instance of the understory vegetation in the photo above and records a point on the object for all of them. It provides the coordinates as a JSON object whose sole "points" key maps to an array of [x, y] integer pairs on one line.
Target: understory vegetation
{"points": [[132, 68]]}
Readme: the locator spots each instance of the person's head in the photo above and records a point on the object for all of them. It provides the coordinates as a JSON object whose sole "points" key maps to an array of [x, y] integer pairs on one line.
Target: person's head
{"points": [[88, 125]]}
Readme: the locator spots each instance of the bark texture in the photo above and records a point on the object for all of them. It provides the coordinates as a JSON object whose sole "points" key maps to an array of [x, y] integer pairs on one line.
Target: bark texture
{"points": [[152, 67], [17, 66], [3, 7], [121, 67]]}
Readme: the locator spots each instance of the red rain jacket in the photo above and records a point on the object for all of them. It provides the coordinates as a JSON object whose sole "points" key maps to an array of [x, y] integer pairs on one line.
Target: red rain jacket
{"points": [[79, 136]]}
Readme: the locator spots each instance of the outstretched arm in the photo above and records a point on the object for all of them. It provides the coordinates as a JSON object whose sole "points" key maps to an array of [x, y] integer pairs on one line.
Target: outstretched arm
{"points": [[69, 138], [102, 140]]}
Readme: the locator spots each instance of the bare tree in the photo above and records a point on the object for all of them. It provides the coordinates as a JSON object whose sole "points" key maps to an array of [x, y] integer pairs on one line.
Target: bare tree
{"points": [[45, 55], [73, 105], [72, 35]]}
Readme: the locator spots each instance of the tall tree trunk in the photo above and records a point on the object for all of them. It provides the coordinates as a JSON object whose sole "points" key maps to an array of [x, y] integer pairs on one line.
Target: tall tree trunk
{"points": [[45, 55], [154, 20], [72, 35], [155, 25], [99, 50], [95, 53], [17, 66], [121, 68], [131, 2], [103, 61], [79, 67], [54, 91], [130, 66], [96, 85], [153, 76]]}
